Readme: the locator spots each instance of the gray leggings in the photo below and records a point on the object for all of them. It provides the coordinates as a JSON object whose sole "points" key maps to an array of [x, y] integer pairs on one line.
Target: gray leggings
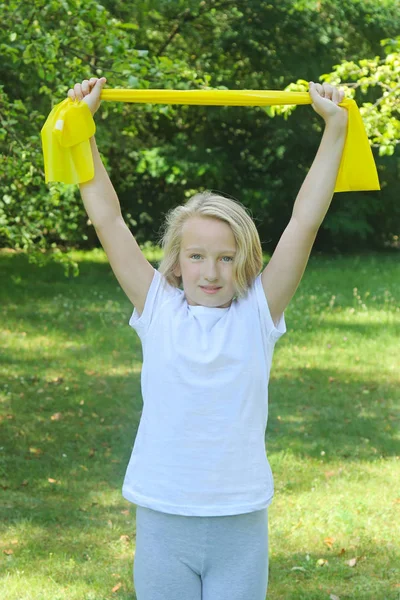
{"points": [[201, 558]]}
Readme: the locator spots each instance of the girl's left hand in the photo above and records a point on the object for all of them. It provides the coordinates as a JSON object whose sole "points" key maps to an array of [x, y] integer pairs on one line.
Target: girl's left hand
{"points": [[325, 99]]}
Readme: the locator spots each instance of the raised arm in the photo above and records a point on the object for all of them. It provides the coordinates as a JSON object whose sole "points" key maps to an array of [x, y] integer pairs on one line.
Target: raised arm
{"points": [[133, 272], [284, 271]]}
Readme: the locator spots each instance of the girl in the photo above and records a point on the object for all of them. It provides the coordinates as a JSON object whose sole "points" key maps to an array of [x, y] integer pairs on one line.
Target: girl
{"points": [[208, 321]]}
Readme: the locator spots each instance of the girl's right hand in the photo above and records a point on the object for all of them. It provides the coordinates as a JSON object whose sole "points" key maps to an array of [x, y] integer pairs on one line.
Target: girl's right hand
{"points": [[89, 91]]}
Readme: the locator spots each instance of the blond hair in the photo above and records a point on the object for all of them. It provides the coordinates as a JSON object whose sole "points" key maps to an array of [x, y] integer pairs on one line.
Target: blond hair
{"points": [[248, 260]]}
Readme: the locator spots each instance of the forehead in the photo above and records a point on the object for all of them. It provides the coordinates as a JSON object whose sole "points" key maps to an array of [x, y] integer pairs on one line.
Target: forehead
{"points": [[206, 232]]}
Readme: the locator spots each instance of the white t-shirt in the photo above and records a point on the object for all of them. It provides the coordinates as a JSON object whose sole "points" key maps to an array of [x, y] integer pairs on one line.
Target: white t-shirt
{"points": [[200, 445]]}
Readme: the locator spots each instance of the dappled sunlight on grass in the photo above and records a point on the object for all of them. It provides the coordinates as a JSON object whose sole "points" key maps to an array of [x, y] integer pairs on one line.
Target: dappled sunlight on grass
{"points": [[96, 255], [371, 316], [70, 399]]}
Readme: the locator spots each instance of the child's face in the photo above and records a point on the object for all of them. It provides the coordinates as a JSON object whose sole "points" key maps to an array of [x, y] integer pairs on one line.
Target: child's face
{"points": [[208, 248]]}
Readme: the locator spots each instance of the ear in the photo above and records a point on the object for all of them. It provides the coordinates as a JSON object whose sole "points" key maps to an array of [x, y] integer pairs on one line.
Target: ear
{"points": [[177, 271]]}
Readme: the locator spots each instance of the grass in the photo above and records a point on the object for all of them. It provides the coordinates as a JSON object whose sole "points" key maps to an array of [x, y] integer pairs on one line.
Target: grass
{"points": [[70, 407]]}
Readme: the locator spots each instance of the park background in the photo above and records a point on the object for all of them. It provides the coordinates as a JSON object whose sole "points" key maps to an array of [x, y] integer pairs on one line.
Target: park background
{"points": [[70, 365]]}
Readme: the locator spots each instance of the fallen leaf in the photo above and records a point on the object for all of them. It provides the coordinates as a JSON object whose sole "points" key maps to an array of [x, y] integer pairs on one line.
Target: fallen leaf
{"points": [[125, 512], [329, 542], [329, 473], [352, 562], [124, 538], [333, 597], [321, 562], [35, 451], [56, 417], [50, 480], [116, 587], [8, 552]]}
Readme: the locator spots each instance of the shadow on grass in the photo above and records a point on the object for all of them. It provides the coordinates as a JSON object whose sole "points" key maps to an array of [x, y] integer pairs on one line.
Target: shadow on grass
{"points": [[296, 578], [307, 415], [85, 452], [353, 420]]}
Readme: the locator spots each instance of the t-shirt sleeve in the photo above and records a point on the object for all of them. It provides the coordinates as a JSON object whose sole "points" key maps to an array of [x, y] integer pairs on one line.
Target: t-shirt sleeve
{"points": [[259, 298], [159, 292]]}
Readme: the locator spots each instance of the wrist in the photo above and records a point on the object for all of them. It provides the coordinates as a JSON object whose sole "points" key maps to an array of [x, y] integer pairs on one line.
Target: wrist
{"points": [[338, 121]]}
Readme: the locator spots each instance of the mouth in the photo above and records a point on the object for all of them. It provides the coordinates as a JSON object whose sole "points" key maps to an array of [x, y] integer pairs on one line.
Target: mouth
{"points": [[210, 289]]}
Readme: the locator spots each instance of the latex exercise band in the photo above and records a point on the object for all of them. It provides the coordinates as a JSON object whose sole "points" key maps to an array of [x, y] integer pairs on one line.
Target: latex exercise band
{"points": [[70, 125]]}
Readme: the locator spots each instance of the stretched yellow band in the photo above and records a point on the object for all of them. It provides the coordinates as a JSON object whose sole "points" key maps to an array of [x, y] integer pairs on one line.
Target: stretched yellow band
{"points": [[70, 125]]}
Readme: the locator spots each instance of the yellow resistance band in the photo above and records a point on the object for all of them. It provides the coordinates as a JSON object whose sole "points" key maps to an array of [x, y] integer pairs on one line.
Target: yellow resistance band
{"points": [[70, 125]]}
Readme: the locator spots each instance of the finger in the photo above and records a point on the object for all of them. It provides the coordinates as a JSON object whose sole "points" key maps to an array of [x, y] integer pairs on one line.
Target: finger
{"points": [[92, 81], [320, 89], [71, 94], [78, 91], [328, 89], [85, 87], [340, 95], [336, 95]]}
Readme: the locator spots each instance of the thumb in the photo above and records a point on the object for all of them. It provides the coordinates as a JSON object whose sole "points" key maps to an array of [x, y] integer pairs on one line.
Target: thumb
{"points": [[312, 89], [93, 99], [313, 93], [98, 85]]}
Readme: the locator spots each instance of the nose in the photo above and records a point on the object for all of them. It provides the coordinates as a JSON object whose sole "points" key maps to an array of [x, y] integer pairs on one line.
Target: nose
{"points": [[211, 273]]}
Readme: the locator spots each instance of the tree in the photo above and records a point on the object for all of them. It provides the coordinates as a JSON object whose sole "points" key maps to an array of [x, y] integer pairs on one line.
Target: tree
{"points": [[159, 155]]}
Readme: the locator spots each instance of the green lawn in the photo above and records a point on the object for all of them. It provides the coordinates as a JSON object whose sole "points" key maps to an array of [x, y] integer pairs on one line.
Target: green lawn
{"points": [[70, 407]]}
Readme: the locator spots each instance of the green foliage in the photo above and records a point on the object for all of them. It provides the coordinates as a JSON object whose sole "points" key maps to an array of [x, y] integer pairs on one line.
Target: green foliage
{"points": [[377, 79], [39, 67], [381, 78], [159, 155]]}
